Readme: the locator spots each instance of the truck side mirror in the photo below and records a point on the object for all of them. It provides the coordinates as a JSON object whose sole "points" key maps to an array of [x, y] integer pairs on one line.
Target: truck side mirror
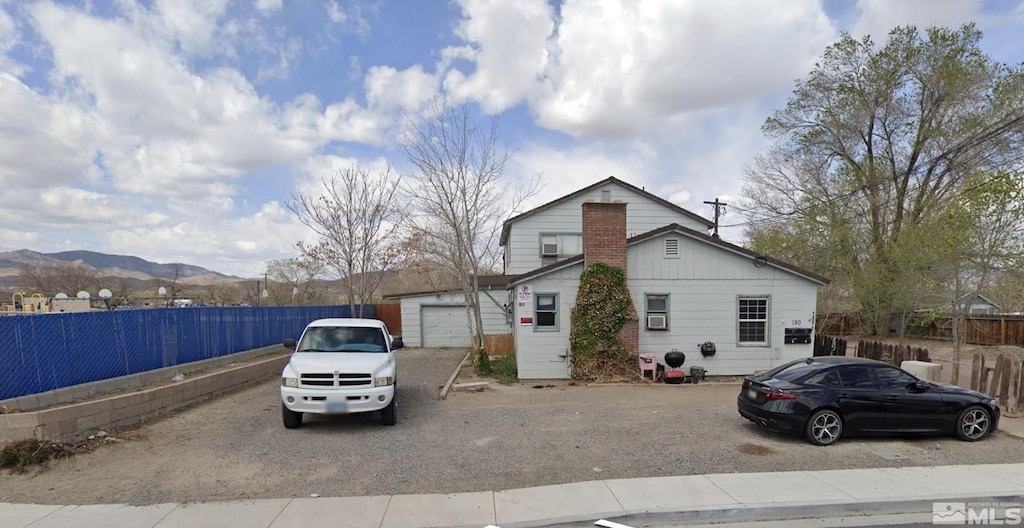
{"points": [[397, 343], [289, 343]]}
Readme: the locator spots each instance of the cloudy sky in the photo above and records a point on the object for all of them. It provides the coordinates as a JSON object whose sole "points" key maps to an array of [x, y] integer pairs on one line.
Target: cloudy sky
{"points": [[176, 130]]}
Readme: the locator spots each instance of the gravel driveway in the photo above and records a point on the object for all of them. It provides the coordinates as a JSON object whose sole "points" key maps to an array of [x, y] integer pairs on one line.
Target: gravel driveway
{"points": [[235, 447]]}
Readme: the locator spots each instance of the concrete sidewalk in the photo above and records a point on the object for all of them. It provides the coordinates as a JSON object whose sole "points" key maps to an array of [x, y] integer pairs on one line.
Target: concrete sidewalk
{"points": [[675, 500]]}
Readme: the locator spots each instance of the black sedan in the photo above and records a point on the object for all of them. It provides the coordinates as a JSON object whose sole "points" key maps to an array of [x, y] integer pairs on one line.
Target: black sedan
{"points": [[824, 398]]}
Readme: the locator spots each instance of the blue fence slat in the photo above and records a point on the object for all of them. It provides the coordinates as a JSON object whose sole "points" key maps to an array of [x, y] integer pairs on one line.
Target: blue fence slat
{"points": [[50, 351]]}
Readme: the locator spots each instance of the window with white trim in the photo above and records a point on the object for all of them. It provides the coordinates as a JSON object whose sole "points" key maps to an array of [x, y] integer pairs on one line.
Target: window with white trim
{"points": [[753, 321], [545, 316], [561, 244], [656, 305]]}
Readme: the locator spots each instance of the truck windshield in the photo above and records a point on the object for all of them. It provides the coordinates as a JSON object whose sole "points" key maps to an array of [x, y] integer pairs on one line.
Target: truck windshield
{"points": [[342, 339]]}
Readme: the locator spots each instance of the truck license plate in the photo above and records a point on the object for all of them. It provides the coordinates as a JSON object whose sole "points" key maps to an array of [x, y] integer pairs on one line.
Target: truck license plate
{"points": [[337, 407], [752, 394]]}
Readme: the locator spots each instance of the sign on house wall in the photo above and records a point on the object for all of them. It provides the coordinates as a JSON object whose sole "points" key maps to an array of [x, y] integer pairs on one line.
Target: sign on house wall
{"points": [[524, 296]]}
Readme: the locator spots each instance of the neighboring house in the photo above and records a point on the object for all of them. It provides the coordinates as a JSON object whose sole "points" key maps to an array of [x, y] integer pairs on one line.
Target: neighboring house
{"points": [[688, 288], [980, 306]]}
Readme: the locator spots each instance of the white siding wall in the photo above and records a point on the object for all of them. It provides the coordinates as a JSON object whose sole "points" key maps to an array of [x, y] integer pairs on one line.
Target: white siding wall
{"points": [[642, 215], [412, 331], [538, 352], [704, 284]]}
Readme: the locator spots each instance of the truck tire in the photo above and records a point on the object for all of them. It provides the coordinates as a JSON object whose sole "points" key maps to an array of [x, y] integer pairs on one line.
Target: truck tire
{"points": [[291, 419], [389, 415]]}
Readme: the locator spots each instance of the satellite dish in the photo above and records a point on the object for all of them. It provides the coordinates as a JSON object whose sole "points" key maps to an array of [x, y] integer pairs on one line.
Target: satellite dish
{"points": [[61, 296], [161, 291], [106, 294], [83, 295], [265, 294]]}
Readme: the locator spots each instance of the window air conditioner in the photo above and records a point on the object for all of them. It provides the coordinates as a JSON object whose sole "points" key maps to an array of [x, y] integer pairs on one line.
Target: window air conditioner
{"points": [[657, 322], [549, 250]]}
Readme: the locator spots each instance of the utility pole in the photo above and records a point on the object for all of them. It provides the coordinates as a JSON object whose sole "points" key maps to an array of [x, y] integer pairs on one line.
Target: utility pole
{"points": [[719, 210]]}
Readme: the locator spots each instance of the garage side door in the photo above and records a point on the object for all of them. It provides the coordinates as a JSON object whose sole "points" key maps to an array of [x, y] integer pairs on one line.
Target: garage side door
{"points": [[444, 326]]}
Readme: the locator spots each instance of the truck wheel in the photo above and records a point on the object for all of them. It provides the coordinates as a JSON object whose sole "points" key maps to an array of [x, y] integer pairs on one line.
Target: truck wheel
{"points": [[292, 419], [388, 415]]}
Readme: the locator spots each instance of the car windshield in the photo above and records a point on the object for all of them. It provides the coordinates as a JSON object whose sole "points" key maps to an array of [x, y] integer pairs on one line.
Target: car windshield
{"points": [[342, 339]]}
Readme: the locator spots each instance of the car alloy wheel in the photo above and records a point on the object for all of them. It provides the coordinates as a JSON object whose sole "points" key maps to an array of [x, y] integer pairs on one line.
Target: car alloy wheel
{"points": [[824, 427], [974, 424]]}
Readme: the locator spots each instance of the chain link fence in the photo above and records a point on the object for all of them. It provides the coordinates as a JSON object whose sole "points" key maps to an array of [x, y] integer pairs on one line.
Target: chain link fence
{"points": [[44, 352]]}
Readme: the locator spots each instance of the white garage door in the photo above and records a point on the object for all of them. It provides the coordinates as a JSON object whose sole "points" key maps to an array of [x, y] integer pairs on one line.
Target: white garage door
{"points": [[444, 326]]}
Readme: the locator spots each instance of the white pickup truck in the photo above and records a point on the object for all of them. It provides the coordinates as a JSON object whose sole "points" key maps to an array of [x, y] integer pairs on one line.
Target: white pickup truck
{"points": [[340, 366]]}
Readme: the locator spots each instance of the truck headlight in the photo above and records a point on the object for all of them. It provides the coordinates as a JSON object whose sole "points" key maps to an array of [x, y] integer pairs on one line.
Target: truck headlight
{"points": [[384, 382], [289, 382]]}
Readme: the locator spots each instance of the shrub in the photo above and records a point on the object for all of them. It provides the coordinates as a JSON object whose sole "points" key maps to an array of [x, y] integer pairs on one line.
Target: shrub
{"points": [[483, 363], [603, 306], [505, 369]]}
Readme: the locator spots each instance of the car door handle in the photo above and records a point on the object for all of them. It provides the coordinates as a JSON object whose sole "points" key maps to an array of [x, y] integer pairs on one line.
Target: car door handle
{"points": [[892, 398]]}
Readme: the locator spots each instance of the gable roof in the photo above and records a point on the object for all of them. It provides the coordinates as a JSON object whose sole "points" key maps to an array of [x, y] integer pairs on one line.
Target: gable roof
{"points": [[695, 235], [506, 227]]}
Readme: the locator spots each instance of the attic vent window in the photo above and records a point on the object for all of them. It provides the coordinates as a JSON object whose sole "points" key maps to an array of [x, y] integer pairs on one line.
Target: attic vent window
{"points": [[671, 247], [606, 196]]}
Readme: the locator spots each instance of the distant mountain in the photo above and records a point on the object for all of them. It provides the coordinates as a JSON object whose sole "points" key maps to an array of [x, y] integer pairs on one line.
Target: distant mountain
{"points": [[138, 270], [102, 261]]}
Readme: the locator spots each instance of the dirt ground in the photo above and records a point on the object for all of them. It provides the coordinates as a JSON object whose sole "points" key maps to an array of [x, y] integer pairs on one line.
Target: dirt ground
{"points": [[235, 447]]}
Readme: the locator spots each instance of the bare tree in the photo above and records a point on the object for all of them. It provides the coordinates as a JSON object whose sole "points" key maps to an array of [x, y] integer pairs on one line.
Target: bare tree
{"points": [[61, 277], [357, 217], [460, 195], [294, 281], [223, 293]]}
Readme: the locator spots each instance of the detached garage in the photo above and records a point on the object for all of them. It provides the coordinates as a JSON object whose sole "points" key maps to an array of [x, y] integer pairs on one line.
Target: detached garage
{"points": [[443, 326], [438, 318]]}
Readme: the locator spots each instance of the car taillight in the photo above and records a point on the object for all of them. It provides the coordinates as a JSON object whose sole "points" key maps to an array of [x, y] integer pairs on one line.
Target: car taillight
{"points": [[779, 395]]}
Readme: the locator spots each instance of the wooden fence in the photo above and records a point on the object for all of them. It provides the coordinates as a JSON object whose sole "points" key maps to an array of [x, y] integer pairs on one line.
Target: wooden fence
{"points": [[499, 344], [1004, 380], [829, 346], [890, 353], [391, 315], [978, 329]]}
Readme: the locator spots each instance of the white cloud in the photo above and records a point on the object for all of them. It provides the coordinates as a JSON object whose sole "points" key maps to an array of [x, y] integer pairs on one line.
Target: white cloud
{"points": [[879, 17], [43, 141], [612, 69], [237, 246], [389, 89], [9, 37], [267, 7], [352, 19], [508, 46], [619, 66]]}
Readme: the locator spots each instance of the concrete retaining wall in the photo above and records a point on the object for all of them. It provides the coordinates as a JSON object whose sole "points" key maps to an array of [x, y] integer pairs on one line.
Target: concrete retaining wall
{"points": [[76, 420]]}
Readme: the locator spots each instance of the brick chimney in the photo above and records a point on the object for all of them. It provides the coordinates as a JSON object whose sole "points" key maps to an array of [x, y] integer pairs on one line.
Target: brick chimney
{"points": [[604, 240], [604, 233]]}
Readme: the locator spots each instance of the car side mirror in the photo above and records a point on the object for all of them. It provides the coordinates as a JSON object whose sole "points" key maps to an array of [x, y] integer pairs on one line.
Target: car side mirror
{"points": [[920, 386], [289, 343], [397, 343]]}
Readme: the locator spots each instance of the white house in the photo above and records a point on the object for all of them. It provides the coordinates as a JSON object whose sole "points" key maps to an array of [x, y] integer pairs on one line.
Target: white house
{"points": [[688, 288]]}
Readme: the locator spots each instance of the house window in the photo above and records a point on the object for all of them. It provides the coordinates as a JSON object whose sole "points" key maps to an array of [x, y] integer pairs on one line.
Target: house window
{"points": [[672, 248], [753, 321], [561, 244], [657, 311], [545, 311]]}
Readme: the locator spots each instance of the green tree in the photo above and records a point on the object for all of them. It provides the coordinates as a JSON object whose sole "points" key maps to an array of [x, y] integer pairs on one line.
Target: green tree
{"points": [[872, 147]]}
